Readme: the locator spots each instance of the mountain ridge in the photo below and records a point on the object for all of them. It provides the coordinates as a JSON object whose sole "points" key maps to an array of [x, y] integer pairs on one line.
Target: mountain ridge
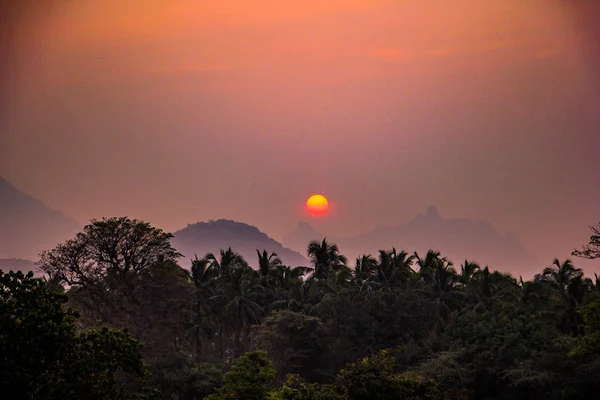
{"points": [[28, 226], [19, 264], [214, 235], [456, 238]]}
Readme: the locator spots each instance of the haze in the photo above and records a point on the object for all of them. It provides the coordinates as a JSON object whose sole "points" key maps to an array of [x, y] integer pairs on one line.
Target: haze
{"points": [[182, 111]]}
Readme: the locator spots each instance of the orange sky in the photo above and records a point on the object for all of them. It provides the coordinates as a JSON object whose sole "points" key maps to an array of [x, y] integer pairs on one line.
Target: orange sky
{"points": [[170, 111]]}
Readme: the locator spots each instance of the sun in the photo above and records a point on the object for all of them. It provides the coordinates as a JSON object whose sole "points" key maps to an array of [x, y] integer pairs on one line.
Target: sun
{"points": [[317, 205]]}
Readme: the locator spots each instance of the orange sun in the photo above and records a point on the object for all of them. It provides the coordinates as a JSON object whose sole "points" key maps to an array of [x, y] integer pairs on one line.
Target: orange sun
{"points": [[317, 204]]}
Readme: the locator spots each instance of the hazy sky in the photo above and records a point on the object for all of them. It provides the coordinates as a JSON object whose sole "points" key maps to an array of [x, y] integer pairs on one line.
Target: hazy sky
{"points": [[188, 110]]}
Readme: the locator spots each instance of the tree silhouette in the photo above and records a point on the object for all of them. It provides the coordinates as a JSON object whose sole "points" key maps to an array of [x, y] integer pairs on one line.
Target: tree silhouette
{"points": [[43, 357], [592, 249], [325, 259]]}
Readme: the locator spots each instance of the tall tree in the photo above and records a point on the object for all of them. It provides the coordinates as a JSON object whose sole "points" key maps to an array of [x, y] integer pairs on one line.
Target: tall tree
{"points": [[228, 260], [325, 258], [235, 299], [296, 342], [106, 259], [394, 267], [562, 274], [204, 275], [569, 281], [267, 263], [468, 272], [268, 276], [440, 278], [364, 269]]}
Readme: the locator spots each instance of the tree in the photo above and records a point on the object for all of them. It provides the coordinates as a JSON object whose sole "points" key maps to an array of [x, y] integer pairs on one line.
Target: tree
{"points": [[267, 263], [374, 377], [592, 249], [248, 379], [468, 272], [235, 296], [393, 267], [439, 277], [269, 267], [590, 343], [562, 275], [204, 275], [44, 358], [228, 260], [364, 270], [183, 377], [163, 310], [325, 258], [105, 261], [295, 293], [295, 341], [295, 388]]}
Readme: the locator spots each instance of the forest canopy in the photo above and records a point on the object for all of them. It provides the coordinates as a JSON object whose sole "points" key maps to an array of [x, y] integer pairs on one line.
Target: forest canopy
{"points": [[116, 316]]}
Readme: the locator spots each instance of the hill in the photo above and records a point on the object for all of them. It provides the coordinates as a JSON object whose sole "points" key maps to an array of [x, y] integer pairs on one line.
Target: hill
{"points": [[455, 238], [18, 264], [299, 238], [28, 226], [204, 237]]}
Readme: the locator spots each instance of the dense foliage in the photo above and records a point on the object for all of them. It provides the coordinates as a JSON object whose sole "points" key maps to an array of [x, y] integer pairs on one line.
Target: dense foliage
{"points": [[397, 325], [42, 357]]}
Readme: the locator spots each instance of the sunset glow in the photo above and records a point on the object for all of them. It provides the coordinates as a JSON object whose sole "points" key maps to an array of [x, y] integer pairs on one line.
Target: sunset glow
{"points": [[317, 205], [343, 97]]}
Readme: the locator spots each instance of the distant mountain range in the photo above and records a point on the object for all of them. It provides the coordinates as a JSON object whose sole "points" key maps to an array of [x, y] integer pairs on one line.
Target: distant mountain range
{"points": [[18, 264], [28, 226], [455, 238], [204, 237]]}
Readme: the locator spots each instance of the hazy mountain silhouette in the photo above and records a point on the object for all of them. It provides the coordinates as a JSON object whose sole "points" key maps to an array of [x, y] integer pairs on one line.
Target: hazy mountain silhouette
{"points": [[455, 238], [299, 238], [28, 226], [18, 264], [203, 237]]}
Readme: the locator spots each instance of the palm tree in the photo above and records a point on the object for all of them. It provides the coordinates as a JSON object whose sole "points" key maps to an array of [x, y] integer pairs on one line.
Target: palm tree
{"points": [[440, 278], [236, 304], [365, 267], [468, 272], [204, 276], [267, 263], [325, 258], [228, 260], [573, 287], [289, 278], [561, 275], [429, 264], [203, 273], [577, 290], [495, 284], [394, 267], [235, 295], [268, 270]]}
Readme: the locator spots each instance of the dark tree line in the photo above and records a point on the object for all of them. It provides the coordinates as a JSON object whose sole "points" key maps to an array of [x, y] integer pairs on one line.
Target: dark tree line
{"points": [[395, 325]]}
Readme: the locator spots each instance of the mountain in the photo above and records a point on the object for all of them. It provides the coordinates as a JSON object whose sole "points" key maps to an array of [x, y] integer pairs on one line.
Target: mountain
{"points": [[28, 226], [204, 237], [299, 238], [455, 238], [18, 264]]}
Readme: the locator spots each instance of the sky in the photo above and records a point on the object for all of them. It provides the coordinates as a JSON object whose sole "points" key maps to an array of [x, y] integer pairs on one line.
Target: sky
{"points": [[183, 111]]}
